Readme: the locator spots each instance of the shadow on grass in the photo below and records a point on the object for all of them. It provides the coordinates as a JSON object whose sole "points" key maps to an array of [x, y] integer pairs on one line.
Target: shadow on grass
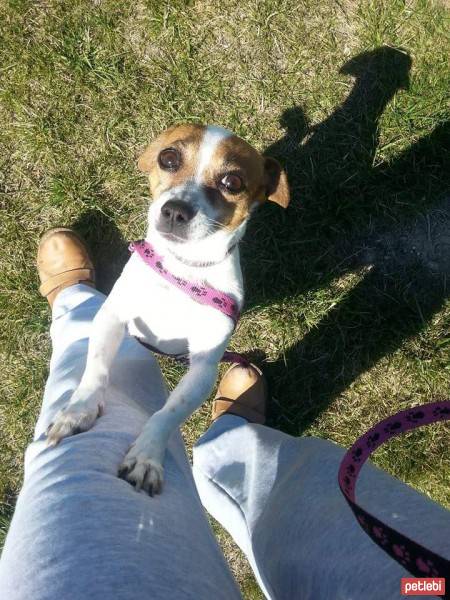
{"points": [[107, 247], [343, 205], [343, 214]]}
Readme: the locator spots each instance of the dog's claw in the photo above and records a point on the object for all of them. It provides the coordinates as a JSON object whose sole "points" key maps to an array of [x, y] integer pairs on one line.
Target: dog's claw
{"points": [[143, 474], [123, 471], [70, 421]]}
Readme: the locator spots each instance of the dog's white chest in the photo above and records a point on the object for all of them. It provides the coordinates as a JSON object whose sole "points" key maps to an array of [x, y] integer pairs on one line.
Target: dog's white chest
{"points": [[162, 319], [159, 313]]}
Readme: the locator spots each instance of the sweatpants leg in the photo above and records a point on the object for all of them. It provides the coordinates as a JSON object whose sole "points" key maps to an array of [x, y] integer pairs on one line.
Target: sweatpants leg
{"points": [[279, 498], [78, 531]]}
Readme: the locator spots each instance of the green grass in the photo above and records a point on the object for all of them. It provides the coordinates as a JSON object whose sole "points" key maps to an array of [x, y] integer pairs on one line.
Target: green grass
{"points": [[347, 291]]}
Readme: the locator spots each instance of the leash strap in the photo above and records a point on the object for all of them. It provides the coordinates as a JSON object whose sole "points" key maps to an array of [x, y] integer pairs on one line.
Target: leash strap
{"points": [[417, 559], [228, 356], [203, 294]]}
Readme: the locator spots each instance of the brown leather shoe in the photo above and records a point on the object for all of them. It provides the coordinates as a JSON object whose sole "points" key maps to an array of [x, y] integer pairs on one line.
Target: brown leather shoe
{"points": [[62, 261], [243, 392]]}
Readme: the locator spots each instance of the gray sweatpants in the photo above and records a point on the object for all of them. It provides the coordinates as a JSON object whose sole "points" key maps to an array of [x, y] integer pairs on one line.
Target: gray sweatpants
{"points": [[80, 532]]}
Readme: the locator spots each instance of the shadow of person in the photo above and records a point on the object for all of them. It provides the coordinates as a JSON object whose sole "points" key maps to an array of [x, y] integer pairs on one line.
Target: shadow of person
{"points": [[342, 206], [329, 167], [338, 152]]}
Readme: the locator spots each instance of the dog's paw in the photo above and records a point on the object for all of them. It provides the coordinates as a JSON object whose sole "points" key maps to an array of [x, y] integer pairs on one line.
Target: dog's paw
{"points": [[142, 472], [79, 415]]}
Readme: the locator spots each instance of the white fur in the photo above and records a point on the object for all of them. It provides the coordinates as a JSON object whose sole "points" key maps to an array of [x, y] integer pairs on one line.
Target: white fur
{"points": [[168, 319], [213, 137]]}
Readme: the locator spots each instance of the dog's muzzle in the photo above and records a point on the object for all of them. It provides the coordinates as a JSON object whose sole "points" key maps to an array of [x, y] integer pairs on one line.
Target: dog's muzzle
{"points": [[175, 218]]}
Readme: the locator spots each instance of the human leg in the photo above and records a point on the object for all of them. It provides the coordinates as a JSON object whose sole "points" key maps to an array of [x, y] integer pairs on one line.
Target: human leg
{"points": [[278, 497], [79, 531]]}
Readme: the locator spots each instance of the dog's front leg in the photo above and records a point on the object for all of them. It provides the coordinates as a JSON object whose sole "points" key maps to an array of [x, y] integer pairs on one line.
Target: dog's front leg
{"points": [[143, 465], [88, 400]]}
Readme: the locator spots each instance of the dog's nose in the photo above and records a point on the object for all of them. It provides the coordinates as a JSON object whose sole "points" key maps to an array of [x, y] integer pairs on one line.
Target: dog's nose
{"points": [[177, 212]]}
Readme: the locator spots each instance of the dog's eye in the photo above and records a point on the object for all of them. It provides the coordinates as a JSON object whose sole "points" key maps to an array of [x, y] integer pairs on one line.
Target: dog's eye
{"points": [[232, 182], [169, 159]]}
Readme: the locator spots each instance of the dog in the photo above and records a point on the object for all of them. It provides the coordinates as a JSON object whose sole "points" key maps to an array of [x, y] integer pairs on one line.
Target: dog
{"points": [[205, 183]]}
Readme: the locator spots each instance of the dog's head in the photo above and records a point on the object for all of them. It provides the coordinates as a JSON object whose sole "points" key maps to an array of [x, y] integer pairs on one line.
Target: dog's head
{"points": [[205, 182]]}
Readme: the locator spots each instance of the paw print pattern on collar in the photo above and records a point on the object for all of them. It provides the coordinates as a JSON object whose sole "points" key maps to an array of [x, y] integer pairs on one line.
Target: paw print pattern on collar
{"points": [[204, 294]]}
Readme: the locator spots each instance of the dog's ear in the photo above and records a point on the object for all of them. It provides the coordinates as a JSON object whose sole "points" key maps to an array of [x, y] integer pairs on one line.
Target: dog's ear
{"points": [[277, 187], [148, 158]]}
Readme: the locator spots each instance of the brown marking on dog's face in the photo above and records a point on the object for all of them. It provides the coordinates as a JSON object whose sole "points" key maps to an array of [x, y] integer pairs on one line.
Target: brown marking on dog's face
{"points": [[233, 163], [236, 158], [184, 138]]}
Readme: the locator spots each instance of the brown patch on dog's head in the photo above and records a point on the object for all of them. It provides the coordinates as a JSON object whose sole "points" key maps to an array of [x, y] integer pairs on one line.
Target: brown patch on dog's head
{"points": [[234, 177], [186, 139]]}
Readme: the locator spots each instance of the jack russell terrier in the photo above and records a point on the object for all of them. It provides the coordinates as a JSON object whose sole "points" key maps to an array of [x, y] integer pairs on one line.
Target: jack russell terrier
{"points": [[205, 183]]}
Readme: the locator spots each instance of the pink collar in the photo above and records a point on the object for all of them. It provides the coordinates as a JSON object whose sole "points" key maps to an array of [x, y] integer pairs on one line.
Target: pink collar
{"points": [[203, 294]]}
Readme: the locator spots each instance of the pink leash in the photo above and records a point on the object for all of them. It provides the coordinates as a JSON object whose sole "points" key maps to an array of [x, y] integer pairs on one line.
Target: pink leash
{"points": [[199, 292], [417, 559]]}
